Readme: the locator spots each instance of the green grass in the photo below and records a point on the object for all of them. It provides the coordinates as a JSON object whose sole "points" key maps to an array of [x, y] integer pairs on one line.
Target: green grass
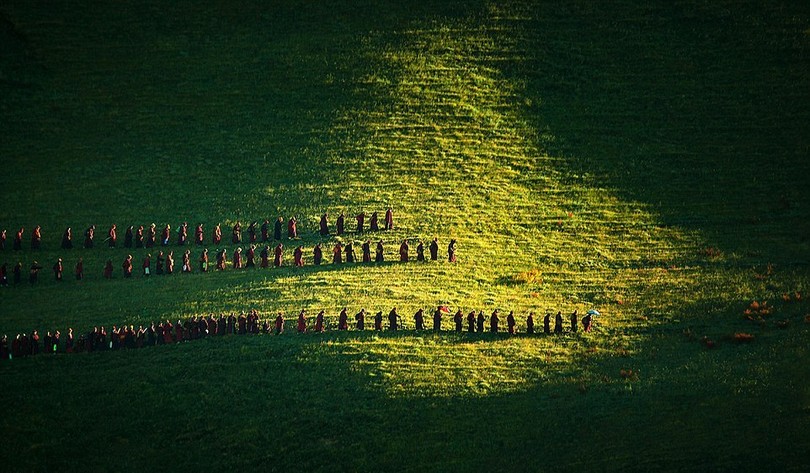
{"points": [[645, 159]]}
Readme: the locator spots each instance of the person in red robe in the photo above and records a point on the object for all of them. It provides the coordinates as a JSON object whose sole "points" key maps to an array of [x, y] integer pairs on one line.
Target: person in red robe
{"points": [[451, 251], [36, 238], [165, 235], [18, 239], [493, 321], [319, 322], [434, 249], [151, 234], [127, 266], [343, 320], [317, 255], [341, 220], [403, 251], [292, 228], [587, 322], [302, 323], [88, 236], [108, 270], [265, 257], [437, 318], [147, 265], [279, 323], [237, 233], [298, 256], [57, 269], [139, 237], [510, 323], [361, 218], [389, 219], [112, 236], [278, 255], [337, 254], [378, 257], [250, 257], [394, 321], [221, 260], [3, 239], [324, 226], [360, 319], [182, 234], [204, 261], [199, 234], [216, 235], [372, 223], [67, 239], [170, 262], [186, 261], [366, 251], [237, 258]]}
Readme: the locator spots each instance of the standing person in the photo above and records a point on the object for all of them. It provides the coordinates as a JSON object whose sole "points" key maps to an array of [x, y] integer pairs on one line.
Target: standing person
{"points": [[451, 251], [18, 239], [3, 239], [393, 319], [112, 236], [324, 226], [165, 235], [493, 321], [530, 323], [170, 262], [558, 323], [319, 322], [67, 239], [265, 257], [302, 322], [108, 270], [89, 234], [250, 257], [361, 218], [587, 321], [378, 256], [403, 251], [480, 322], [278, 255], [378, 321], [419, 319], [434, 249], [367, 251], [4, 276], [437, 319], [298, 256], [510, 322], [277, 228], [17, 271], [265, 230], [279, 323], [389, 219], [199, 235], [547, 323], [341, 220], [139, 237], [128, 237], [337, 254], [204, 261], [372, 223], [147, 265], [237, 258], [186, 268], [360, 317], [151, 235], [317, 255], [237, 233], [216, 235], [574, 321], [349, 250], [36, 238], [182, 234], [420, 251], [252, 231], [343, 320], [159, 263], [57, 269], [127, 266], [292, 228], [459, 320]]}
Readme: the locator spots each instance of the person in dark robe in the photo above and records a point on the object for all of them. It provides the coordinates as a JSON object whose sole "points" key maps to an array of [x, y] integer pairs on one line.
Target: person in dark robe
{"points": [[301, 327], [339, 224], [420, 252], [17, 272], [265, 257], [89, 234], [389, 219], [279, 323], [350, 255], [221, 260], [151, 235], [112, 236], [451, 251], [510, 322], [298, 256], [337, 254], [361, 218], [129, 235], [33, 274], [3, 235], [372, 223], [70, 342], [139, 237], [471, 321], [324, 226], [530, 323], [278, 255], [127, 266], [378, 254], [277, 228], [437, 319], [419, 320], [250, 257], [147, 265], [292, 228], [434, 249], [222, 325], [236, 233], [252, 231], [265, 230], [108, 270], [360, 319], [4, 348], [35, 343], [182, 234], [4, 275], [378, 317], [317, 255], [319, 322], [366, 251], [458, 318], [343, 320], [393, 320], [547, 323], [57, 269], [203, 260], [67, 239], [574, 321], [237, 258], [587, 322], [558, 323], [159, 261], [216, 235], [165, 234], [80, 269], [36, 238], [493, 321], [170, 262], [186, 267], [480, 322], [199, 235], [18, 239], [403, 251], [241, 323], [231, 325]]}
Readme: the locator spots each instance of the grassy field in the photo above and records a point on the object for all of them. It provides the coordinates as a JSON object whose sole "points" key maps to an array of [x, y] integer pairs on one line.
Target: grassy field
{"points": [[647, 159]]}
